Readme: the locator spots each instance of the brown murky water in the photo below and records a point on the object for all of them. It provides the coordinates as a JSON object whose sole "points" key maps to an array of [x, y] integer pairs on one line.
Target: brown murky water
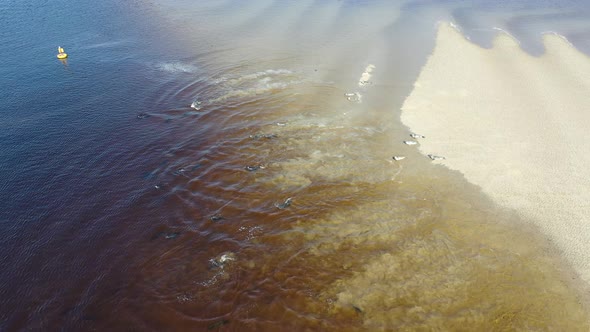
{"points": [[366, 242], [292, 214]]}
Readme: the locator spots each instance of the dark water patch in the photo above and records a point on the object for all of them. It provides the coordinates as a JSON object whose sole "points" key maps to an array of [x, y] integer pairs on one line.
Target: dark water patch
{"points": [[165, 235], [217, 325]]}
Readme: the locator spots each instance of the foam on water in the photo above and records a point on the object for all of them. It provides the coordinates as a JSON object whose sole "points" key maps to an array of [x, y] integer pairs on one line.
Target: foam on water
{"points": [[255, 84], [265, 75], [177, 67]]}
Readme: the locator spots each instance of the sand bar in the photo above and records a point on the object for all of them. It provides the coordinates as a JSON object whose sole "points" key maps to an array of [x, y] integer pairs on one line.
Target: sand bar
{"points": [[516, 125]]}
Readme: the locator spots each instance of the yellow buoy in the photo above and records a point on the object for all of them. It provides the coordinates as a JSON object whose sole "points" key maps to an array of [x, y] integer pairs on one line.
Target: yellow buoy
{"points": [[61, 54]]}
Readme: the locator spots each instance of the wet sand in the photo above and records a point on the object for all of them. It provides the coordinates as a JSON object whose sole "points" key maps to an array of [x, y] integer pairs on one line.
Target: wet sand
{"points": [[515, 125]]}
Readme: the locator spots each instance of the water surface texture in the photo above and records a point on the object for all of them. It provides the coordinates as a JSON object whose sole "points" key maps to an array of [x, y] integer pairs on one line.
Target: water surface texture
{"points": [[227, 165]]}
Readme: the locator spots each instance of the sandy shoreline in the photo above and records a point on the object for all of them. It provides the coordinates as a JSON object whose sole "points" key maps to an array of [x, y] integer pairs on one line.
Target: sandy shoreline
{"points": [[515, 125]]}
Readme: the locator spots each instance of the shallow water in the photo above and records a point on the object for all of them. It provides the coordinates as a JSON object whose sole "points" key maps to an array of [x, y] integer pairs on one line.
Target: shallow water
{"points": [[120, 200]]}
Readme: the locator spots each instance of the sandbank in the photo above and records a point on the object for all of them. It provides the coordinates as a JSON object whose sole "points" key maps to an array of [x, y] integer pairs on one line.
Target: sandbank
{"points": [[516, 125]]}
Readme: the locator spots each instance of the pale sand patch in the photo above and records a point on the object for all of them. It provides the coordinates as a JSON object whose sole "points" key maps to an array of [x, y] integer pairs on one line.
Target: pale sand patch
{"points": [[516, 125]]}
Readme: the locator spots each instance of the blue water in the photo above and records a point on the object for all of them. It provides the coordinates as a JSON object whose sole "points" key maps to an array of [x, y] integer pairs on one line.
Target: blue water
{"points": [[98, 152], [70, 143]]}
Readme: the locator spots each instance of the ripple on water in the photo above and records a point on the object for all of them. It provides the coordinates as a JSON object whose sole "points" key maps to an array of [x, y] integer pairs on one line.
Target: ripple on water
{"points": [[333, 234]]}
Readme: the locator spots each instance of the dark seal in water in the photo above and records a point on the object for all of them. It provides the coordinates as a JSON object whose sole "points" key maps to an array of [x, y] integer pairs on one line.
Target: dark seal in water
{"points": [[285, 204]]}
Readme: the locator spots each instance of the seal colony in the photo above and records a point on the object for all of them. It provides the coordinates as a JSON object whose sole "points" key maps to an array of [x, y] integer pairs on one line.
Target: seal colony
{"points": [[513, 124]]}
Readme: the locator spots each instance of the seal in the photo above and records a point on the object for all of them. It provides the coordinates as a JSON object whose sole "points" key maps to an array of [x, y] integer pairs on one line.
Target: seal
{"points": [[285, 204], [219, 262], [254, 168], [196, 105], [434, 157]]}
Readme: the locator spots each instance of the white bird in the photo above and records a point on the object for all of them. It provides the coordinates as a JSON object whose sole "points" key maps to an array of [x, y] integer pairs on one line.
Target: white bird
{"points": [[398, 158], [414, 135], [410, 142]]}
